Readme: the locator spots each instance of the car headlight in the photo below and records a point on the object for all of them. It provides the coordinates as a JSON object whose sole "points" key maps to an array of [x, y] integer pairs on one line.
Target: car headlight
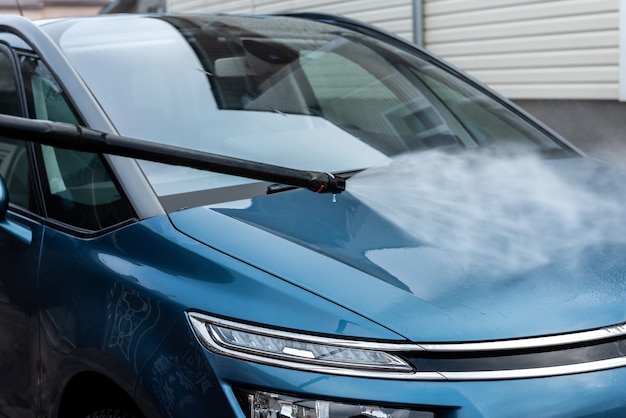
{"points": [[257, 404], [294, 350]]}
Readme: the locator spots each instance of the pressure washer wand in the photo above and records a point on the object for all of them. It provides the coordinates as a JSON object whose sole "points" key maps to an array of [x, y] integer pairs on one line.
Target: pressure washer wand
{"points": [[79, 138]]}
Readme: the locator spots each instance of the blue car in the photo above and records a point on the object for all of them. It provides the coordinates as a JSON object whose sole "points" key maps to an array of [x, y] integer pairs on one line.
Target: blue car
{"points": [[292, 216]]}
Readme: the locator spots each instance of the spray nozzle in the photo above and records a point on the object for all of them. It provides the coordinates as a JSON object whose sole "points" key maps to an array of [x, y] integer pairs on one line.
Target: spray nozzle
{"points": [[328, 183]]}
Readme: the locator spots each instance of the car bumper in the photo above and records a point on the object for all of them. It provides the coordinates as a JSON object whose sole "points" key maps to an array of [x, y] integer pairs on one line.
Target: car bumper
{"points": [[185, 379]]}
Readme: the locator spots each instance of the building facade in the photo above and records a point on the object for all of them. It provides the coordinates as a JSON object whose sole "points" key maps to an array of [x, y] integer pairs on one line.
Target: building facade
{"points": [[562, 60], [46, 9]]}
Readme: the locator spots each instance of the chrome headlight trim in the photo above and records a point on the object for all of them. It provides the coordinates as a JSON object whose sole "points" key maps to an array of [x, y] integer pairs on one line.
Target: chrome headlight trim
{"points": [[403, 367], [295, 350]]}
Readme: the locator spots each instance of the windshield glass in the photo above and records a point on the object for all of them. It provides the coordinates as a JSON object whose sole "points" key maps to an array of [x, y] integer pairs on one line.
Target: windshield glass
{"points": [[282, 91]]}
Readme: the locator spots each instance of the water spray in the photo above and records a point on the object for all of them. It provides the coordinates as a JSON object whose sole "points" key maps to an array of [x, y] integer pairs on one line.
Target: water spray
{"points": [[500, 214]]}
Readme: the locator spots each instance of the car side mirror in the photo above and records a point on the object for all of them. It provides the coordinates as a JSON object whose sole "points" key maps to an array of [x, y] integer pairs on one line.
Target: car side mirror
{"points": [[13, 229], [4, 199]]}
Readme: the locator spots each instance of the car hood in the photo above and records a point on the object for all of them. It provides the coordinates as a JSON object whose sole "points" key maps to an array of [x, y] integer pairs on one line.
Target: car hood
{"points": [[364, 255]]}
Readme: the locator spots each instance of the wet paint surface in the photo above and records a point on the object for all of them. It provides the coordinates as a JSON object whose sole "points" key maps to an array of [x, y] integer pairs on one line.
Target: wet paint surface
{"points": [[553, 263]]}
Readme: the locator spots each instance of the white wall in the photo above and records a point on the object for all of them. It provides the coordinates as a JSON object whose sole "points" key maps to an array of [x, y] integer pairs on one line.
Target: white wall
{"points": [[393, 15], [531, 49]]}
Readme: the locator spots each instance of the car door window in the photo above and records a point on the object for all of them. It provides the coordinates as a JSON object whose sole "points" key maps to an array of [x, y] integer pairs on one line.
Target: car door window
{"points": [[78, 187], [9, 98], [14, 170], [13, 154]]}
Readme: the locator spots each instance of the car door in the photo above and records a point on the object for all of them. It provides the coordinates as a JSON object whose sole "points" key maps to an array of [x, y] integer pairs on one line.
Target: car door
{"points": [[83, 205], [59, 199], [20, 244]]}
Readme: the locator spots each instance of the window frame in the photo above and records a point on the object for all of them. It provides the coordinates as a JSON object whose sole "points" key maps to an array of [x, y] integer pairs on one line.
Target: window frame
{"points": [[37, 179], [35, 207]]}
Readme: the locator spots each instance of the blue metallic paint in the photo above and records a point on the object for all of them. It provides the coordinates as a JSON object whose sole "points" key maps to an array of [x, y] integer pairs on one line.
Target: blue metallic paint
{"points": [[19, 343], [120, 297], [210, 377], [331, 240]]}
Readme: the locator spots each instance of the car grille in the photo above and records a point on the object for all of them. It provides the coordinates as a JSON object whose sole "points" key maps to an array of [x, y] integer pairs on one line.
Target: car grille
{"points": [[525, 358]]}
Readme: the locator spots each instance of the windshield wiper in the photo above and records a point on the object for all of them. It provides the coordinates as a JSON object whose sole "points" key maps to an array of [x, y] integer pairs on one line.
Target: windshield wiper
{"points": [[79, 138]]}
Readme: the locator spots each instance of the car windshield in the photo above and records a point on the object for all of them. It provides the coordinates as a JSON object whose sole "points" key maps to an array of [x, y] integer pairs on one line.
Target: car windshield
{"points": [[283, 91]]}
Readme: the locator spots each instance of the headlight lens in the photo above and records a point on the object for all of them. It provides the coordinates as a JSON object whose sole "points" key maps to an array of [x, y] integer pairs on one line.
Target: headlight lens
{"points": [[292, 350], [257, 404]]}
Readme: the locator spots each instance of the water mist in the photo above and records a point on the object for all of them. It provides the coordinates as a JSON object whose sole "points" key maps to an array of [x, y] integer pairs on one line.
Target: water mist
{"points": [[500, 213]]}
